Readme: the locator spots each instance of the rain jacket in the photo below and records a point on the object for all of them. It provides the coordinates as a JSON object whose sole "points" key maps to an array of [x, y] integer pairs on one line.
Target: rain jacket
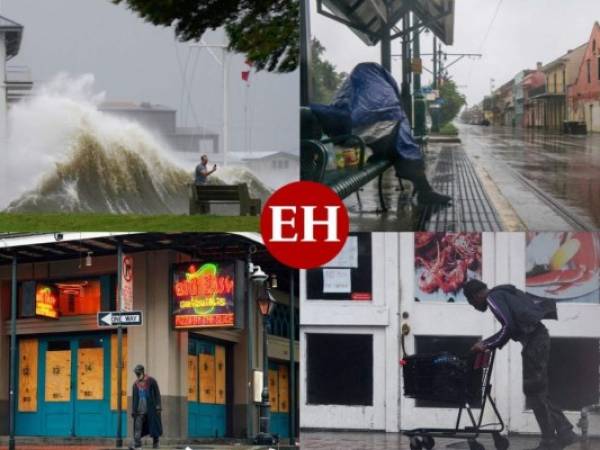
{"points": [[153, 423], [368, 104]]}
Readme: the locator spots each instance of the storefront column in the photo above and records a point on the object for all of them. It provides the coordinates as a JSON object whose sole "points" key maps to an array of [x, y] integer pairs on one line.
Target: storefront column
{"points": [[161, 350]]}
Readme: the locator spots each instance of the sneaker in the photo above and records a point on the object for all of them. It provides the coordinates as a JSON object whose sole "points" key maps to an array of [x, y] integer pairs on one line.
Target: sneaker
{"points": [[567, 438], [155, 445]]}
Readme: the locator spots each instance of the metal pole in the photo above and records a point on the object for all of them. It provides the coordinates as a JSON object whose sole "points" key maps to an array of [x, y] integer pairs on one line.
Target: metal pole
{"points": [[435, 63], [250, 349], [405, 89], [264, 437], [13, 355], [420, 129], [119, 441], [386, 49], [292, 425], [225, 106], [305, 54]]}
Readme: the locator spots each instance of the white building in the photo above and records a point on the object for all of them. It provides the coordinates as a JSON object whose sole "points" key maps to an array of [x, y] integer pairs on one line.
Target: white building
{"points": [[354, 312]]}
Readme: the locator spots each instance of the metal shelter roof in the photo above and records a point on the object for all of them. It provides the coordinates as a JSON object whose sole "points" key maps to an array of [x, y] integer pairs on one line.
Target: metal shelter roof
{"points": [[13, 32], [48, 247], [369, 18]]}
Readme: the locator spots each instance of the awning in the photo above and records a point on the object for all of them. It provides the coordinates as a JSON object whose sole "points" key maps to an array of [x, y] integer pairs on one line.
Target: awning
{"points": [[368, 18], [49, 247]]}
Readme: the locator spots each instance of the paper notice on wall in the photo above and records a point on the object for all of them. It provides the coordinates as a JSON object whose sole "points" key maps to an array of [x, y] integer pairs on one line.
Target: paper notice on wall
{"points": [[348, 256], [337, 281]]}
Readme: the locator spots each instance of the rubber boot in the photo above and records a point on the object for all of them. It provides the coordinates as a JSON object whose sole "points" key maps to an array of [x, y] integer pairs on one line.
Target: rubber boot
{"points": [[414, 171]]}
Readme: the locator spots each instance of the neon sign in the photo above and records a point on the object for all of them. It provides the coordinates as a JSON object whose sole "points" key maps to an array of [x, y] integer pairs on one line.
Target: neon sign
{"points": [[46, 301], [203, 295]]}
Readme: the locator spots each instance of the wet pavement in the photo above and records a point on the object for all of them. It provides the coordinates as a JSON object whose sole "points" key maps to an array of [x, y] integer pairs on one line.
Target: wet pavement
{"points": [[563, 168], [396, 441], [520, 179]]}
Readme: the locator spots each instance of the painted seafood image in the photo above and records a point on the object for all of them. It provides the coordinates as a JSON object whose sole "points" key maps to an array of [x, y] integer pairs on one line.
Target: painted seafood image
{"points": [[564, 266], [443, 264]]}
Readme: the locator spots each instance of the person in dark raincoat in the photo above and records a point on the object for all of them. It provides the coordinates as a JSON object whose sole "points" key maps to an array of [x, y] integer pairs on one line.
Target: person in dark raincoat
{"points": [[145, 409], [521, 318], [368, 104]]}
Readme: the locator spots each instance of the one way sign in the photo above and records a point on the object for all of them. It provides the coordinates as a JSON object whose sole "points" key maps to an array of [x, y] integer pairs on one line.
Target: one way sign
{"points": [[114, 318]]}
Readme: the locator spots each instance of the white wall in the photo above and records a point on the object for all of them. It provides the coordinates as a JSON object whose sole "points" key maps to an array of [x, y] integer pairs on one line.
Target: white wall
{"points": [[379, 318]]}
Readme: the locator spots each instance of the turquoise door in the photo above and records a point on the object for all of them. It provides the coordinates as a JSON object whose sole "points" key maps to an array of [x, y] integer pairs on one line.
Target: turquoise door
{"points": [[279, 398], [64, 390], [207, 389]]}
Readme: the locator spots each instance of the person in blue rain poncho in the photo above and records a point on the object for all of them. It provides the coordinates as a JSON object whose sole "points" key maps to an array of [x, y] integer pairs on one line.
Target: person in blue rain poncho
{"points": [[368, 105]]}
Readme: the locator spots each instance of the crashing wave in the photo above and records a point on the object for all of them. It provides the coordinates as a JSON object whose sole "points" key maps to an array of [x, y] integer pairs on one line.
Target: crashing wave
{"points": [[80, 159]]}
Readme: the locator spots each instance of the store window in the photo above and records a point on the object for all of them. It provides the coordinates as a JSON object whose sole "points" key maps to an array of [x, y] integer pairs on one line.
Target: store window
{"points": [[339, 369], [346, 277], [74, 297], [573, 376], [456, 345]]}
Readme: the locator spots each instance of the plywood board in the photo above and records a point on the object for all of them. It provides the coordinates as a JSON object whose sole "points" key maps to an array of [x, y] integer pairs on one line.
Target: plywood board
{"points": [[58, 376], [28, 375], [283, 383], [220, 375], [113, 373], [90, 374], [273, 391], [192, 378], [206, 366]]}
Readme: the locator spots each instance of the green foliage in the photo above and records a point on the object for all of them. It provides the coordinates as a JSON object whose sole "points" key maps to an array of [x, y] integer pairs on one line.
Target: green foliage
{"points": [[326, 79], [453, 102], [449, 129], [266, 31]]}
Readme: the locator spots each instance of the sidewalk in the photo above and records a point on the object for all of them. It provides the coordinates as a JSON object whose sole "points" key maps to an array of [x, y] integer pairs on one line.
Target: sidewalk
{"points": [[44, 443], [396, 441]]}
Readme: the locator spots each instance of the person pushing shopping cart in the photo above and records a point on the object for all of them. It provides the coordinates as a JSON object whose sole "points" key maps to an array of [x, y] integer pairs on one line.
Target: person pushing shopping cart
{"points": [[521, 318]]}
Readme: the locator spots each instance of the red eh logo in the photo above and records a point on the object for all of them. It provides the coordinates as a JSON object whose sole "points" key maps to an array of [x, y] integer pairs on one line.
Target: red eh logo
{"points": [[304, 224]]}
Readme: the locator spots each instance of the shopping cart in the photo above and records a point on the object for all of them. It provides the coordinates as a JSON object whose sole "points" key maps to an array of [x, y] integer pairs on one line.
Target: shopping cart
{"points": [[456, 381]]}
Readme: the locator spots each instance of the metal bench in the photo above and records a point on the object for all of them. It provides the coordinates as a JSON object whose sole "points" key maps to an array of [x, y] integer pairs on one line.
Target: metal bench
{"points": [[202, 196], [314, 159]]}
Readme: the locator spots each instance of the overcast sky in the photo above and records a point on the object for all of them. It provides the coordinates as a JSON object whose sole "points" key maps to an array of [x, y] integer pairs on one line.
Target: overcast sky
{"points": [[522, 33], [134, 60]]}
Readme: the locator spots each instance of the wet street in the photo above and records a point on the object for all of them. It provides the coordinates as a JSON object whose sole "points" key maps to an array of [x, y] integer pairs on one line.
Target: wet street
{"points": [[560, 170], [500, 179], [396, 441]]}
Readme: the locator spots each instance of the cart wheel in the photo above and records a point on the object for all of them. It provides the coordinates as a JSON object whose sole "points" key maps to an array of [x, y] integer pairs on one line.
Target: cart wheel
{"points": [[428, 442], [474, 445], [416, 443], [500, 442]]}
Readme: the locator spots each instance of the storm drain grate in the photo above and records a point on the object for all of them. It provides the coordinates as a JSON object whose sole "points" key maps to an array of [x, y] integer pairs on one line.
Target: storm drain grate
{"points": [[471, 210]]}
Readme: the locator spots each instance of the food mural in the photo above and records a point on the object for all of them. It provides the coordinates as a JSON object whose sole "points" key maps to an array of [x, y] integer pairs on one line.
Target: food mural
{"points": [[564, 266], [443, 264]]}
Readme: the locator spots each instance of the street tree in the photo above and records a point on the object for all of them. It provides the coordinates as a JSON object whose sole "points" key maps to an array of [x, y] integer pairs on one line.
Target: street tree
{"points": [[266, 31], [452, 101], [326, 79]]}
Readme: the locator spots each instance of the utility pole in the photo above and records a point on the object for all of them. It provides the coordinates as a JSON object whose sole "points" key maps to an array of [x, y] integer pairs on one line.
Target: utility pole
{"points": [[419, 101], [435, 63], [406, 69]]}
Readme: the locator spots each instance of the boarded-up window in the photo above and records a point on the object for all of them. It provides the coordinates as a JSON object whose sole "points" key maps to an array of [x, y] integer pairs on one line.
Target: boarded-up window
{"points": [[28, 375], [58, 372], [90, 370], [220, 396]]}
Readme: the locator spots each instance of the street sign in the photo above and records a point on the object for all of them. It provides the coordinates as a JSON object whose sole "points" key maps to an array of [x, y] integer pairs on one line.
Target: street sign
{"points": [[113, 318], [127, 283]]}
